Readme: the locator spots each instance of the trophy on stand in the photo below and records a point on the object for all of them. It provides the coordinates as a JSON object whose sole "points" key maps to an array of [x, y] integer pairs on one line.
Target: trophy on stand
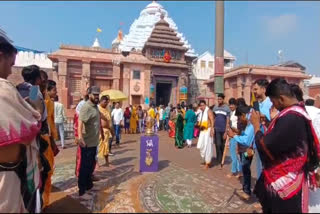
{"points": [[149, 148], [150, 126]]}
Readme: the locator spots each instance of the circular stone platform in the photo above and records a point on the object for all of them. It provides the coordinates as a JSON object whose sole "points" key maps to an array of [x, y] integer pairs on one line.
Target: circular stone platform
{"points": [[179, 190]]}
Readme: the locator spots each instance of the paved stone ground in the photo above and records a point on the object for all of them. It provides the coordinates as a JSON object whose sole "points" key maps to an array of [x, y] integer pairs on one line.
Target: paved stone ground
{"points": [[181, 185]]}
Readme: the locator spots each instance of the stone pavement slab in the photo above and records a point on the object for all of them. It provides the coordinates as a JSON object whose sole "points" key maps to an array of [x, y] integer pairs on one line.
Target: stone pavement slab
{"points": [[180, 185]]}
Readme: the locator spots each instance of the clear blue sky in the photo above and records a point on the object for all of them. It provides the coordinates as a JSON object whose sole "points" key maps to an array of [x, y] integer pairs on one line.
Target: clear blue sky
{"points": [[254, 31]]}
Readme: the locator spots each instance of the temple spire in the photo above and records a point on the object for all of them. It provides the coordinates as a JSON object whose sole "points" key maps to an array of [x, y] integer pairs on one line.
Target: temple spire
{"points": [[96, 43]]}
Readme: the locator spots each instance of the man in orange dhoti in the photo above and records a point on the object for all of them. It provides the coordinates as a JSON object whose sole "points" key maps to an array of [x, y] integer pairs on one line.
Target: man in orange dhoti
{"points": [[106, 127]]}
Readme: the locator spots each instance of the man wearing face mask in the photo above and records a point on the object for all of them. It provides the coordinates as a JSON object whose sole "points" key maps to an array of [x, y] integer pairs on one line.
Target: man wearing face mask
{"points": [[88, 134]]}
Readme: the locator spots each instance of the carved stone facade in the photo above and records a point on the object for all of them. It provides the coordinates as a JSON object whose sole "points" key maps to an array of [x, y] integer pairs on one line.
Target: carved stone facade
{"points": [[133, 73]]}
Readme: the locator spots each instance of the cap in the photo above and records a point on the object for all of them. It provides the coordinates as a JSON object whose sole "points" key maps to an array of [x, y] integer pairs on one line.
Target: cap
{"points": [[94, 90]]}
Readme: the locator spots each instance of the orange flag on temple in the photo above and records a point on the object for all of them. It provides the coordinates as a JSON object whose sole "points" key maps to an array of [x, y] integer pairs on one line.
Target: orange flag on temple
{"points": [[253, 99]]}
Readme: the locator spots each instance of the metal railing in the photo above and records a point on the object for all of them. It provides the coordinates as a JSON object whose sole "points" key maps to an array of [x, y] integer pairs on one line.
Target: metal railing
{"points": [[68, 128]]}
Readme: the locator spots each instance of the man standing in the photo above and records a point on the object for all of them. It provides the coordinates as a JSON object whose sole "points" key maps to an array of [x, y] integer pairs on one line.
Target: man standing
{"points": [[314, 113], [289, 151], [205, 141], [89, 131], [259, 91], [167, 115], [221, 122], [117, 115], [59, 119], [140, 117], [246, 140], [265, 104], [235, 165], [106, 125], [161, 117]]}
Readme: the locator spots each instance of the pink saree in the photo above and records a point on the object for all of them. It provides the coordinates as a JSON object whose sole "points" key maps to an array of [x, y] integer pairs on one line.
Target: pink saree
{"points": [[18, 125]]}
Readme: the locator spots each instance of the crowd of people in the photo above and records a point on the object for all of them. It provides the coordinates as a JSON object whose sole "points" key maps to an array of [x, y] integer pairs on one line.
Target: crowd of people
{"points": [[279, 128]]}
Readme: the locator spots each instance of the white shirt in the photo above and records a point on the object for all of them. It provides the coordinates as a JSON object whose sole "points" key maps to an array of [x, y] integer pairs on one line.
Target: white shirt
{"points": [[59, 114], [198, 113], [314, 114], [117, 115], [234, 120], [79, 106], [161, 114]]}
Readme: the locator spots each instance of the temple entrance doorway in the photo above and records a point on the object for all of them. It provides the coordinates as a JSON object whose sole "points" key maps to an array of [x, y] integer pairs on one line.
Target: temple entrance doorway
{"points": [[163, 95]]}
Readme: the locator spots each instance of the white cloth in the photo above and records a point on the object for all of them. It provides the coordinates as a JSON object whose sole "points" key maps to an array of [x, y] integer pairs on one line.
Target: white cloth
{"points": [[205, 142], [10, 186], [234, 119], [314, 197], [117, 115], [189, 142], [78, 108], [161, 114], [314, 114], [314, 201], [205, 145]]}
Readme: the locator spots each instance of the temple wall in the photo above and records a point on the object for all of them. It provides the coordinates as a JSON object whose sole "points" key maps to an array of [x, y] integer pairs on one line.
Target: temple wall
{"points": [[241, 85]]}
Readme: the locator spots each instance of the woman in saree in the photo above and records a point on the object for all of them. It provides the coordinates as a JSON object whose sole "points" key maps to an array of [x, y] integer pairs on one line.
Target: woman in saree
{"points": [[179, 130], [133, 120], [19, 151], [191, 120], [289, 152], [127, 115], [172, 123]]}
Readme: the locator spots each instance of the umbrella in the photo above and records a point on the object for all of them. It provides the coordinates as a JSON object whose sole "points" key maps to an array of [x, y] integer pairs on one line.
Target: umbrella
{"points": [[115, 95]]}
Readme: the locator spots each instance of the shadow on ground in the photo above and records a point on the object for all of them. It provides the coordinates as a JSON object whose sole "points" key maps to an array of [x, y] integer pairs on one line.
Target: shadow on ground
{"points": [[64, 204]]}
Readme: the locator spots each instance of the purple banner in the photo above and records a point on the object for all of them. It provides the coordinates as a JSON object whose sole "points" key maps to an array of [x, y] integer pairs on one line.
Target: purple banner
{"points": [[149, 150]]}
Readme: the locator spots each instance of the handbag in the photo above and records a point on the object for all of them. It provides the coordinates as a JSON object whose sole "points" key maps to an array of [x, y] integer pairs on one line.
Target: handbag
{"points": [[196, 132], [197, 128]]}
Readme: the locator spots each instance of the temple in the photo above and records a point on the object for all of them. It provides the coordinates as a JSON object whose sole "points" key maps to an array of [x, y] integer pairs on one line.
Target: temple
{"points": [[151, 64]]}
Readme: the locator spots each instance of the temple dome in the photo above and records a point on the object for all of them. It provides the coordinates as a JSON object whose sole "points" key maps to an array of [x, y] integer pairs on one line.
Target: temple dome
{"points": [[153, 8], [140, 30]]}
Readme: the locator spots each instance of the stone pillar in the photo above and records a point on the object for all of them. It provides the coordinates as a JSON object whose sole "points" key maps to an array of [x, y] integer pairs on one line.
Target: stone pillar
{"points": [[147, 83], [126, 85], [63, 86], [116, 76], [85, 77]]}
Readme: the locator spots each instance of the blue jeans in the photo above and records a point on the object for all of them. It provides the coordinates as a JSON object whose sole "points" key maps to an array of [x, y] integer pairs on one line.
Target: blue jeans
{"points": [[117, 130], [140, 125], [258, 164], [246, 164], [235, 165]]}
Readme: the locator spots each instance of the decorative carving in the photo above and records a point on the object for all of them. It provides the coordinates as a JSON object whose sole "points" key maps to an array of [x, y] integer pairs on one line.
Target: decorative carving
{"points": [[183, 79], [167, 57], [136, 87], [149, 158]]}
